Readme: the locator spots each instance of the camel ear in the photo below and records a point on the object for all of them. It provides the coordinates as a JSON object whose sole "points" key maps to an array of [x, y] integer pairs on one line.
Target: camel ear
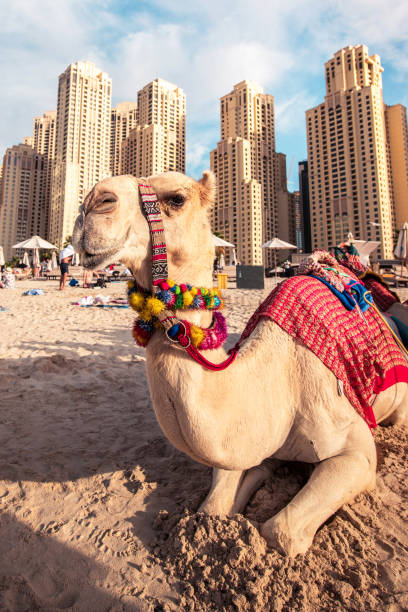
{"points": [[207, 188]]}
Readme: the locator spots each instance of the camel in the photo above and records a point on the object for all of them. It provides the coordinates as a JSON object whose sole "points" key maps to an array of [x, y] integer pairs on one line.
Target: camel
{"points": [[276, 402]]}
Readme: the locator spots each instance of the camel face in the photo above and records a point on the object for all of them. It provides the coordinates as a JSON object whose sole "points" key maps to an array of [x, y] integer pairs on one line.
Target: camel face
{"points": [[106, 221], [112, 226]]}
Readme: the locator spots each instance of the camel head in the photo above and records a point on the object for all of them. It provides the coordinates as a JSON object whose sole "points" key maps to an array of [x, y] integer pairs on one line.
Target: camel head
{"points": [[112, 226]]}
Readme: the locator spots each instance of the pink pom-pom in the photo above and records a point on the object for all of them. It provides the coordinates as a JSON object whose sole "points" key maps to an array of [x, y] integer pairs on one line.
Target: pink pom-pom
{"points": [[165, 286], [183, 288]]}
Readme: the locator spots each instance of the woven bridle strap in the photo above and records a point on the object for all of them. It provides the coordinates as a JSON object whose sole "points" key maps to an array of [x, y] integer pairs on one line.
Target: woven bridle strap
{"points": [[152, 213]]}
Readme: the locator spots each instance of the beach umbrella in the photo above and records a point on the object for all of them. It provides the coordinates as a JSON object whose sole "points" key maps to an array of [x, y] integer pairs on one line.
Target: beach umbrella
{"points": [[401, 249], [220, 242], [35, 242], [277, 244], [54, 263], [2, 261], [75, 259], [26, 259], [49, 265]]}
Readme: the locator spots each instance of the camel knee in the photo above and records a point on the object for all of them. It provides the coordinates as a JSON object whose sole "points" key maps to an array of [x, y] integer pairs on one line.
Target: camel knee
{"points": [[333, 483], [399, 416]]}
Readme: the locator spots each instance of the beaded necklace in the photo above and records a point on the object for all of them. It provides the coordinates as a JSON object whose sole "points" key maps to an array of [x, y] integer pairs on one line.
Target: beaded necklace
{"points": [[155, 311]]}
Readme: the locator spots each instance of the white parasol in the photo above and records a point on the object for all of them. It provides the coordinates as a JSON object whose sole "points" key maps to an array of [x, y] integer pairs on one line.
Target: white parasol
{"points": [[220, 242], [75, 259], [401, 249], [26, 259], [2, 261], [35, 242], [54, 263], [277, 244]]}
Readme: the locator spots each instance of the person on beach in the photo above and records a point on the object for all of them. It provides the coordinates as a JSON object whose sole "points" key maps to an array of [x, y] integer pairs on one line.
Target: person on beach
{"points": [[64, 267], [8, 280], [65, 259]]}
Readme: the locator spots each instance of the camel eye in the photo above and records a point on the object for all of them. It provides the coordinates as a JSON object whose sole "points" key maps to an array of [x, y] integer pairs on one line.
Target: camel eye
{"points": [[109, 197], [176, 200]]}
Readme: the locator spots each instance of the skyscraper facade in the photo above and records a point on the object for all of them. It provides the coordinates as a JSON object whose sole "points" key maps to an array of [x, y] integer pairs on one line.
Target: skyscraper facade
{"points": [[245, 212], [397, 134], [350, 181], [286, 203], [82, 155], [158, 142], [304, 207], [123, 120], [21, 196], [44, 133]]}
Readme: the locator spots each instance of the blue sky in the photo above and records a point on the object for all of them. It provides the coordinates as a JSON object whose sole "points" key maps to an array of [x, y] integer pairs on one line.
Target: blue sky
{"points": [[205, 47]]}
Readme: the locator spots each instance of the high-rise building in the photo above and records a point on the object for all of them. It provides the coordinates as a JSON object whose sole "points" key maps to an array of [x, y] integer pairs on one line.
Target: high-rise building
{"points": [[305, 207], [286, 203], [21, 196], [350, 184], [158, 143], [123, 119], [44, 133], [245, 212], [397, 133], [82, 143]]}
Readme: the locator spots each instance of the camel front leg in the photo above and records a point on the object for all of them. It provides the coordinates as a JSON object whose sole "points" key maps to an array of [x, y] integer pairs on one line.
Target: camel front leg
{"points": [[334, 482], [231, 490]]}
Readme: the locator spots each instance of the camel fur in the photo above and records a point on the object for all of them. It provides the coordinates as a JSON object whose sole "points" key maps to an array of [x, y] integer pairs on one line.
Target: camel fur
{"points": [[277, 401]]}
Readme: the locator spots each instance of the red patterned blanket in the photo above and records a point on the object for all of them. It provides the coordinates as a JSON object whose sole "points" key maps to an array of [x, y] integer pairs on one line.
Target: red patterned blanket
{"points": [[358, 348]]}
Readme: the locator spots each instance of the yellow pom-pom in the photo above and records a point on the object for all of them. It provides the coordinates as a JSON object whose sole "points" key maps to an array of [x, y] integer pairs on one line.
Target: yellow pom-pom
{"points": [[170, 283], [145, 314], [154, 305], [130, 284], [187, 299], [137, 300], [194, 291], [197, 335]]}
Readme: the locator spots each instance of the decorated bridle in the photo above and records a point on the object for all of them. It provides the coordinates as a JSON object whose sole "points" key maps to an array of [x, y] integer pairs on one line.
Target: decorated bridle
{"points": [[157, 310]]}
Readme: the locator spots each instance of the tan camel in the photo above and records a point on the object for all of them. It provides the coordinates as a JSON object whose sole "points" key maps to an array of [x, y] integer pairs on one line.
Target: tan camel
{"points": [[277, 401]]}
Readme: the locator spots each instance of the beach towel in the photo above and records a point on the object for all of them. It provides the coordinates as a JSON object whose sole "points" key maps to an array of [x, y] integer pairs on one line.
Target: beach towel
{"points": [[357, 347], [34, 292]]}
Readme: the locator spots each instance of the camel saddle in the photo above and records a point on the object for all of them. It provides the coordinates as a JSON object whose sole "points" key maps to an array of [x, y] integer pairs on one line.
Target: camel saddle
{"points": [[357, 347]]}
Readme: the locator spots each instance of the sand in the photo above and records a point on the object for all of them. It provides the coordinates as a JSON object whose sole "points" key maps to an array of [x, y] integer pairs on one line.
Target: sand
{"points": [[98, 509]]}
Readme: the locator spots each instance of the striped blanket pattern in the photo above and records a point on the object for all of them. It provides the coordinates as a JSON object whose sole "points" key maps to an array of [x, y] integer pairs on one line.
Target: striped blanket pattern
{"points": [[358, 348]]}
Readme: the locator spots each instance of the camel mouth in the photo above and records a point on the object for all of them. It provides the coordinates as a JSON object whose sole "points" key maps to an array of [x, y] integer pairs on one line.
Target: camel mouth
{"points": [[91, 261]]}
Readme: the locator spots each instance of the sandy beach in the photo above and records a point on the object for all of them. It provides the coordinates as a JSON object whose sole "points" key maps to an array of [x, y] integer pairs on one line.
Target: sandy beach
{"points": [[98, 509]]}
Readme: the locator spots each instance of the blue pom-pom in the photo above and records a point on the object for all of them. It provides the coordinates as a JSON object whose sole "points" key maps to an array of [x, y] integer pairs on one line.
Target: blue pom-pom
{"points": [[165, 296], [217, 301], [197, 302], [147, 325], [173, 330]]}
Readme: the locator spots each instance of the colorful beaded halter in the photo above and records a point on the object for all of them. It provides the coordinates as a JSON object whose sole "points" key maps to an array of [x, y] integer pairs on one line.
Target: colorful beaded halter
{"points": [[156, 310]]}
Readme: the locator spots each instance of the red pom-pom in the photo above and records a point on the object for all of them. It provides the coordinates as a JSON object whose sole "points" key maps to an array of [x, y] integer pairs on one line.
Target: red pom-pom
{"points": [[183, 288], [165, 286]]}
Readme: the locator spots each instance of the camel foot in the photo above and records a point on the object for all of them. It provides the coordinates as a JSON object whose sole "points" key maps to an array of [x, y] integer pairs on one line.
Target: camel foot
{"points": [[277, 535], [231, 490]]}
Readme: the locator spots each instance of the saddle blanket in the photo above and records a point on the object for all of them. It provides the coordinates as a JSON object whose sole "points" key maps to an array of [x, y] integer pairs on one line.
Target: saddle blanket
{"points": [[357, 347]]}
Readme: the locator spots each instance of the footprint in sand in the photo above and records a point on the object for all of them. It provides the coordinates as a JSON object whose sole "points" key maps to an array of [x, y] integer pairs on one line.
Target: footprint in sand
{"points": [[50, 528], [113, 542]]}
